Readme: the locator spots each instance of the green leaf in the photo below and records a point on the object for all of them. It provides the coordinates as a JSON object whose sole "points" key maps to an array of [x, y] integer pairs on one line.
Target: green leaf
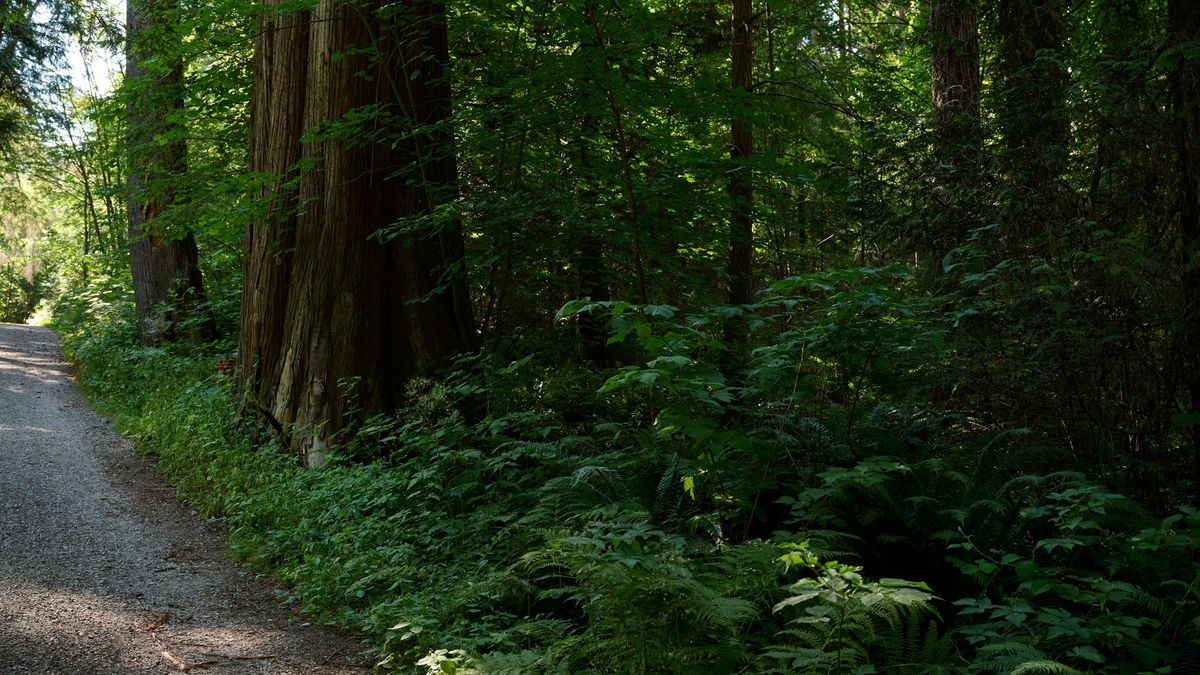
{"points": [[689, 486], [660, 311], [1088, 653], [1067, 543], [1028, 569]]}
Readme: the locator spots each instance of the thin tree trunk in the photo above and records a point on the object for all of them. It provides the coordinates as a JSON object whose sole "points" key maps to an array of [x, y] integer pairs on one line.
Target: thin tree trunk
{"points": [[106, 179], [589, 259], [741, 148], [624, 151], [1183, 33], [1032, 81]]}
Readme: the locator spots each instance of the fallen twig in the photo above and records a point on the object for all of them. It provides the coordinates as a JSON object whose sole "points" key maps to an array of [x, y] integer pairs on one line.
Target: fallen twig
{"points": [[159, 621], [183, 666]]}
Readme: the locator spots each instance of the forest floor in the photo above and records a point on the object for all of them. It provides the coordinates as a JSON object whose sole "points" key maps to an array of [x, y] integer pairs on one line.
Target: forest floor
{"points": [[102, 570]]}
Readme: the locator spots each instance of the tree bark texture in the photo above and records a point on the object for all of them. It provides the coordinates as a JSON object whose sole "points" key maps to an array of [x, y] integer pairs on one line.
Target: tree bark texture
{"points": [[167, 283], [277, 123], [336, 319], [955, 76], [741, 148], [954, 69]]}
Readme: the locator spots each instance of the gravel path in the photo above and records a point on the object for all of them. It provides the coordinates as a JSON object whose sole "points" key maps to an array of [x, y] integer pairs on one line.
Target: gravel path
{"points": [[101, 569]]}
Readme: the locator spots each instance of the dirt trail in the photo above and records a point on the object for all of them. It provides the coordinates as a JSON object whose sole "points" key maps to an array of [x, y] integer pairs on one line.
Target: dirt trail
{"points": [[101, 569]]}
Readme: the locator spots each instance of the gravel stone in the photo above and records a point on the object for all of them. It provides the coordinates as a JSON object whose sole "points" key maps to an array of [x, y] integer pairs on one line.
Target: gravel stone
{"points": [[102, 570]]}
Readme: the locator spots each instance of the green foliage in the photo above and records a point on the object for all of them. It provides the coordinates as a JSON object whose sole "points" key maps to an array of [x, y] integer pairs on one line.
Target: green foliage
{"points": [[829, 351], [19, 295], [1102, 583], [529, 536], [843, 617], [507, 542], [1099, 582], [1010, 427]]}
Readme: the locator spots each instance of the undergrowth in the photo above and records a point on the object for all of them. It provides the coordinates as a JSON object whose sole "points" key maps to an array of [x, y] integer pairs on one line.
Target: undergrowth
{"points": [[812, 513]]}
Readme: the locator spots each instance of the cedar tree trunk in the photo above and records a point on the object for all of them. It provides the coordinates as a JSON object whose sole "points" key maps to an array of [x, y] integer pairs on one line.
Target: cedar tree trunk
{"points": [[954, 67], [166, 277], [352, 286]]}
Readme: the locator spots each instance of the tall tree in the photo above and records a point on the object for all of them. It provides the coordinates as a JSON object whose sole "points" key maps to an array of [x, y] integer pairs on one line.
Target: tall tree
{"points": [[164, 261], [1183, 38], [31, 38], [1032, 81], [353, 283], [954, 70], [589, 255], [741, 147]]}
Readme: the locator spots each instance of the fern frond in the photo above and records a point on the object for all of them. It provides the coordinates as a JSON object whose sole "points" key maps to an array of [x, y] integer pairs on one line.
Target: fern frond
{"points": [[510, 663], [605, 481], [1008, 657], [668, 493], [726, 612], [1043, 667]]}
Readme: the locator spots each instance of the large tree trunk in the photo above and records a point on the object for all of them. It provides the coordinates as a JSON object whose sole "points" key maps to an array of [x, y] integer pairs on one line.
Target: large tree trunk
{"points": [[341, 317], [166, 276], [741, 147], [955, 78], [277, 123], [954, 67]]}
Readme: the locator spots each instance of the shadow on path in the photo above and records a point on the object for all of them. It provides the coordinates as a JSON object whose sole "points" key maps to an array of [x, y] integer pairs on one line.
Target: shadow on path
{"points": [[101, 569]]}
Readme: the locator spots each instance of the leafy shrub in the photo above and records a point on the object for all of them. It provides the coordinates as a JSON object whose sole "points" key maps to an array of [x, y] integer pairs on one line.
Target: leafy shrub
{"points": [[19, 295], [843, 619]]}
